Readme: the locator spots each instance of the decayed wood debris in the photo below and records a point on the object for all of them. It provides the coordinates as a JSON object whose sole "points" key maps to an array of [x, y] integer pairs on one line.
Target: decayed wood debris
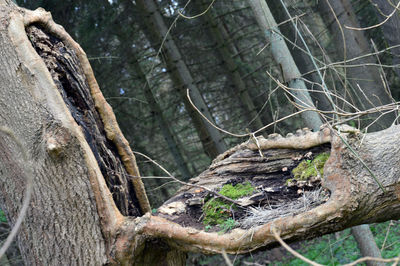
{"points": [[275, 191]]}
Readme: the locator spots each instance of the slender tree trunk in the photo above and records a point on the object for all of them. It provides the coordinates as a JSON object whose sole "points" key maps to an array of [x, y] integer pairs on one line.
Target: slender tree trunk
{"points": [[240, 88], [301, 59], [391, 28], [366, 243], [283, 58], [166, 131], [364, 81], [259, 102], [155, 29]]}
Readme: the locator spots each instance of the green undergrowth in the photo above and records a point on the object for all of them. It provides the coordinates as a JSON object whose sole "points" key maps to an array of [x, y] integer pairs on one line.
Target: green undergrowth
{"points": [[341, 248], [3, 218], [217, 211], [308, 168], [333, 249]]}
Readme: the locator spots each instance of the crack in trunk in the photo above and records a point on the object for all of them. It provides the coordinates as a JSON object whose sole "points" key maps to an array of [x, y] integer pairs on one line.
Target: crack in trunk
{"points": [[70, 80]]}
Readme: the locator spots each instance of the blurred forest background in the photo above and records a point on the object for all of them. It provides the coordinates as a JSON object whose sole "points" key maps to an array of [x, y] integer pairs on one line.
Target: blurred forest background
{"points": [[147, 53]]}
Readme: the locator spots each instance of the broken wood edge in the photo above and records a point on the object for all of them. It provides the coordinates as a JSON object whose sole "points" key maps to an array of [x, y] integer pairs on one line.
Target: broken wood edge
{"points": [[304, 140], [47, 91], [343, 209], [107, 115], [112, 222], [240, 240]]}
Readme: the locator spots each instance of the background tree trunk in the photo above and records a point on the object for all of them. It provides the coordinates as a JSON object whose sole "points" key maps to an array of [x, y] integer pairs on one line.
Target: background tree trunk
{"points": [[391, 28], [239, 87], [363, 81], [366, 244], [156, 29], [283, 58]]}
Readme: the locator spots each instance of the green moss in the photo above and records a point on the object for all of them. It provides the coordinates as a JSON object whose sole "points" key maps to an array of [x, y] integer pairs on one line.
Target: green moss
{"points": [[227, 225], [238, 191], [217, 211], [306, 168]]}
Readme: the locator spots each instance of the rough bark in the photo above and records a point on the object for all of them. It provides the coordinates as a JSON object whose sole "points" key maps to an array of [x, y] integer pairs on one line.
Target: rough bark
{"points": [[73, 218], [61, 182]]}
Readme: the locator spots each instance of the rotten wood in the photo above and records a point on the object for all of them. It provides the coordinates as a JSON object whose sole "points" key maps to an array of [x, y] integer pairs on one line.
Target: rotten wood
{"points": [[354, 197], [67, 74]]}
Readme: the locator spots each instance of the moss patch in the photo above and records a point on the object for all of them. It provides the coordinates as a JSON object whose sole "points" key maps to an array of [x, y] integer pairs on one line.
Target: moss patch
{"points": [[308, 168], [217, 211], [238, 191]]}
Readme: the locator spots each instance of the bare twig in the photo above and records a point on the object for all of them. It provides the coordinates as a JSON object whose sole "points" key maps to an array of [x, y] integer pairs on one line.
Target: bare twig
{"points": [[198, 15], [395, 260], [28, 191], [184, 183], [379, 24], [386, 235], [292, 251], [227, 260]]}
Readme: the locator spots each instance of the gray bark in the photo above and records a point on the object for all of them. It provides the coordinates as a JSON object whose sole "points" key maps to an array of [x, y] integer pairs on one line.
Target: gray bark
{"points": [[366, 77], [62, 225], [301, 59], [366, 243], [156, 30], [216, 31], [284, 59], [390, 29]]}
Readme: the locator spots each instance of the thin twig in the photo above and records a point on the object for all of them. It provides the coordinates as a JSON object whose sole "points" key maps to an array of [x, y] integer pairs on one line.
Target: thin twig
{"points": [[184, 183], [294, 253], [198, 15], [28, 191], [376, 25], [396, 260], [226, 258], [386, 236]]}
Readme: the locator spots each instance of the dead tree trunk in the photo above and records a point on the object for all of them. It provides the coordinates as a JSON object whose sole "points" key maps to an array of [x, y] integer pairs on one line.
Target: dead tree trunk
{"points": [[77, 152]]}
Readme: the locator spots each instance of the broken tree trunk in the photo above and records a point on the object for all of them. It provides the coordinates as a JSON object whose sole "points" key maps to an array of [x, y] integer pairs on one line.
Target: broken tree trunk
{"points": [[350, 196], [73, 217]]}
